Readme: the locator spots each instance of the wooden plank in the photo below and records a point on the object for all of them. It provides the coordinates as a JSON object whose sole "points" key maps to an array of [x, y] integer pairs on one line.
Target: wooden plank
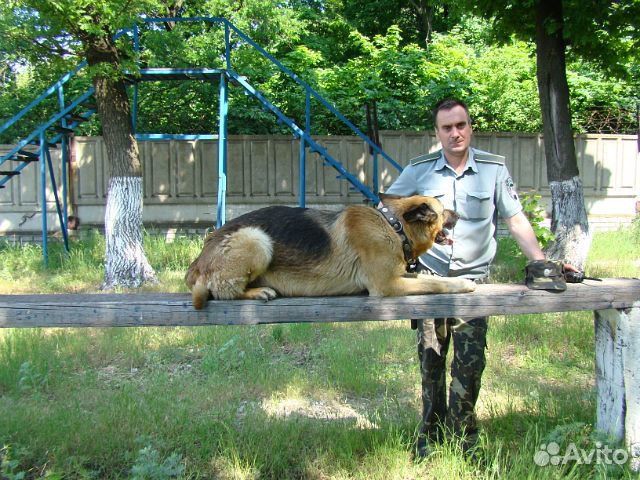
{"points": [[156, 309]]}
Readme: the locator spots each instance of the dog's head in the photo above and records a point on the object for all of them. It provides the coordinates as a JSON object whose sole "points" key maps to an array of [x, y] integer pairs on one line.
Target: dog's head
{"points": [[425, 220]]}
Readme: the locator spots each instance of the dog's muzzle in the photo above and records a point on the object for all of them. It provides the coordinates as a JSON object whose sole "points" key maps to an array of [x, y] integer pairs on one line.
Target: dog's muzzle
{"points": [[450, 220]]}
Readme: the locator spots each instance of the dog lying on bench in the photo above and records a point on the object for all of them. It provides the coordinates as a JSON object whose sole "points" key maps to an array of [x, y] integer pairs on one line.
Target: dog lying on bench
{"points": [[285, 251]]}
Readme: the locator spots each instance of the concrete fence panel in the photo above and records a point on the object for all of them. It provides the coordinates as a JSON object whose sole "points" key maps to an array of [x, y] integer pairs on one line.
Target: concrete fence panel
{"points": [[181, 177]]}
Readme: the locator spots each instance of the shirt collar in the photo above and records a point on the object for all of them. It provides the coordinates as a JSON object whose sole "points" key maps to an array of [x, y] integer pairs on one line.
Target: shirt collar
{"points": [[471, 161]]}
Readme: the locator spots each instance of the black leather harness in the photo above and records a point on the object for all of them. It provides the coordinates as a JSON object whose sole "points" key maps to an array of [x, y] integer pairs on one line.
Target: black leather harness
{"points": [[407, 249]]}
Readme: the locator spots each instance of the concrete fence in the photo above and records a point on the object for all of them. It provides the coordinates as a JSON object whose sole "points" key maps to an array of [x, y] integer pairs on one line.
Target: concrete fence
{"points": [[180, 177]]}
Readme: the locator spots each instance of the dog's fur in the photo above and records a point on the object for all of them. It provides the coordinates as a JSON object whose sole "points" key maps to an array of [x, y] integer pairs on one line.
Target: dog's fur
{"points": [[303, 252]]}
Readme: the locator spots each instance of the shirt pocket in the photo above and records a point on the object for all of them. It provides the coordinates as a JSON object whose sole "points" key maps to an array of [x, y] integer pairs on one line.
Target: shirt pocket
{"points": [[477, 205]]}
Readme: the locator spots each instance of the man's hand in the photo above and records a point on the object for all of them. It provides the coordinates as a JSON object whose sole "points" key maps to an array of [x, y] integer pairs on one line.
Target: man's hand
{"points": [[567, 267]]}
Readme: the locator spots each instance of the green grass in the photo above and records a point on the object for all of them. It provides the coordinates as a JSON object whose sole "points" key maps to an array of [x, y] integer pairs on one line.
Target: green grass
{"points": [[317, 401]]}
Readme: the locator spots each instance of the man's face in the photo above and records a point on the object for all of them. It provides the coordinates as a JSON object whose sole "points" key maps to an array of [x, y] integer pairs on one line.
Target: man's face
{"points": [[453, 130]]}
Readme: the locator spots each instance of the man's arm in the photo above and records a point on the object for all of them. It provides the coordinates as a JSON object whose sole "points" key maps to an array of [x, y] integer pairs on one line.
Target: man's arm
{"points": [[523, 233], [521, 230]]}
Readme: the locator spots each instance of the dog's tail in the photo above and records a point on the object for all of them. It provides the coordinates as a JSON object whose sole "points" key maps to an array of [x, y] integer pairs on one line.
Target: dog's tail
{"points": [[199, 296]]}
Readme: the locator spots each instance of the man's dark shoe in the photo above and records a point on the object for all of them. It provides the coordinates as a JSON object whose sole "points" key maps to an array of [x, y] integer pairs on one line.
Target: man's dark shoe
{"points": [[423, 448], [426, 442], [472, 448]]}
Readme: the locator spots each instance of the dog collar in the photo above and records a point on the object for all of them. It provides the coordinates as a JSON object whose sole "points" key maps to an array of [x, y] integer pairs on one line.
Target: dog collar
{"points": [[396, 224]]}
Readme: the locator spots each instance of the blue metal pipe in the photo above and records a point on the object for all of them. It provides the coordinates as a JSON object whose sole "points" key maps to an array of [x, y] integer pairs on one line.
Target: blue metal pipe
{"points": [[64, 79], [302, 180], [222, 153], [43, 127], [308, 139], [284, 69], [175, 136], [43, 195], [54, 187], [302, 176], [227, 46], [65, 191]]}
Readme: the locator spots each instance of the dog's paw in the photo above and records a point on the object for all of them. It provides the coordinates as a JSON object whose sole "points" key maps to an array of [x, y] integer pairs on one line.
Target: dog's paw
{"points": [[260, 293], [465, 285]]}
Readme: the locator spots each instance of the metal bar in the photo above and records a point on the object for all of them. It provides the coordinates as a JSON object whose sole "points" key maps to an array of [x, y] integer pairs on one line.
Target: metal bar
{"points": [[227, 46], [315, 94], [64, 79], [65, 191], [307, 112], [136, 38], [43, 127], [64, 156], [376, 186], [43, 195], [222, 153], [302, 180], [63, 120], [54, 187], [178, 74], [19, 168], [185, 19], [298, 80], [175, 136], [310, 141]]}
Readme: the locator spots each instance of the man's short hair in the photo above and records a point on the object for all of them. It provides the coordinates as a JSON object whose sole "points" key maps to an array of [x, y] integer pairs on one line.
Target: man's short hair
{"points": [[448, 104]]}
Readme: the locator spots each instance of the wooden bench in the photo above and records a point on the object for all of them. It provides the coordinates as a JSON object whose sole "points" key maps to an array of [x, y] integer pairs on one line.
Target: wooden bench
{"points": [[616, 303]]}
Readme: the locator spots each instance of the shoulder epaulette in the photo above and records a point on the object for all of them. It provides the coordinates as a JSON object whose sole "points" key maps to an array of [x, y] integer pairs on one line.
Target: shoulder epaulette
{"points": [[426, 158], [480, 156]]}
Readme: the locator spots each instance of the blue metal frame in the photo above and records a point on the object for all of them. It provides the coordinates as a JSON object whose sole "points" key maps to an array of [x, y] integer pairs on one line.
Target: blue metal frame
{"points": [[222, 153], [304, 135], [309, 92], [43, 195]]}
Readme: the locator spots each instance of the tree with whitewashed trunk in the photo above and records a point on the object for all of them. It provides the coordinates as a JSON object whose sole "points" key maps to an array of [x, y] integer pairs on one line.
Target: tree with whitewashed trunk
{"points": [[569, 222], [125, 261], [83, 29], [604, 33]]}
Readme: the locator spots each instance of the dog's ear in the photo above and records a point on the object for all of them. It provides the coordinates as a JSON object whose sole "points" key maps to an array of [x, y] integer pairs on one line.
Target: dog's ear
{"points": [[388, 196], [420, 213]]}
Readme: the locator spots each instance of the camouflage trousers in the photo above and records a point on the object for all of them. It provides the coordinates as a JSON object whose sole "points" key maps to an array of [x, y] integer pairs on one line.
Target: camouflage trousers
{"points": [[469, 343]]}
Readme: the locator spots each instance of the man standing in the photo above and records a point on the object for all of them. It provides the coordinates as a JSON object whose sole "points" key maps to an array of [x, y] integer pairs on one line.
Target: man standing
{"points": [[477, 185]]}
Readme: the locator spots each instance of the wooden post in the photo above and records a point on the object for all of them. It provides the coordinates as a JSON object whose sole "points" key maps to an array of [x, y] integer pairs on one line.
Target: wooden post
{"points": [[617, 334]]}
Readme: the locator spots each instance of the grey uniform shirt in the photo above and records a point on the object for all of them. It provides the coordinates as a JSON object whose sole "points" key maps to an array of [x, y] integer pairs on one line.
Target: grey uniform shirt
{"points": [[482, 192]]}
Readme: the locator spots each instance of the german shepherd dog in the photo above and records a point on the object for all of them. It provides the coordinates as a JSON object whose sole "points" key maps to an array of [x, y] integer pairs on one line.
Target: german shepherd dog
{"points": [[291, 252]]}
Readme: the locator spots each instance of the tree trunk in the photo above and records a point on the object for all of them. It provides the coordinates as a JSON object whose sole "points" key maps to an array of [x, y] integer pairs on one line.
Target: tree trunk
{"points": [[568, 213], [423, 11], [125, 261]]}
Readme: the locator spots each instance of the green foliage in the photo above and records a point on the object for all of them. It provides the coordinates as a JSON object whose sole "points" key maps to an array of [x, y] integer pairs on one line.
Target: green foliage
{"points": [[30, 380], [536, 215], [351, 52], [150, 466], [11, 459]]}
